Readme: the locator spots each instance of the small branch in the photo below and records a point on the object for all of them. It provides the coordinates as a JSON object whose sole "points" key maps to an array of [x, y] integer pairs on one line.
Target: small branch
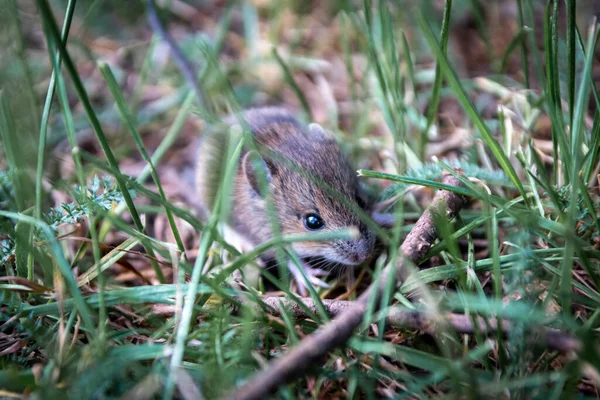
{"points": [[426, 322], [185, 67], [336, 332], [400, 317]]}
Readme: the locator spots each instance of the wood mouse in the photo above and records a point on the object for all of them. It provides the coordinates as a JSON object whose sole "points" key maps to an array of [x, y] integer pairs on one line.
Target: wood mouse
{"points": [[295, 157]]}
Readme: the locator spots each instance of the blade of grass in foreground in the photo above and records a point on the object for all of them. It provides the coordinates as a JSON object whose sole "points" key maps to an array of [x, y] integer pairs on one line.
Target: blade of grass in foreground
{"points": [[583, 52], [170, 137], [391, 105], [524, 53], [518, 40], [463, 98], [46, 112], [418, 387], [566, 282], [205, 243], [594, 144], [48, 19], [274, 242], [416, 181], [553, 99], [437, 84], [109, 259], [571, 34], [111, 82], [289, 77], [8, 133], [159, 294], [594, 149], [62, 264], [415, 357], [69, 128], [410, 69]]}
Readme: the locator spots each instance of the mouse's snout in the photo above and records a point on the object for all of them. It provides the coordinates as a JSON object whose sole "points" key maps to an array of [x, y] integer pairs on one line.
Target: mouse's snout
{"points": [[357, 251], [360, 256]]}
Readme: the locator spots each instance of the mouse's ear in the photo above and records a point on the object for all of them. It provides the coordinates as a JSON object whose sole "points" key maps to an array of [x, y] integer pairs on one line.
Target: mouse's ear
{"points": [[251, 161], [317, 131]]}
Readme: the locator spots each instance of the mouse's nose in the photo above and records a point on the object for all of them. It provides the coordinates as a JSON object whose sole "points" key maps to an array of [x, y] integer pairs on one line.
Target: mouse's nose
{"points": [[360, 256], [359, 250]]}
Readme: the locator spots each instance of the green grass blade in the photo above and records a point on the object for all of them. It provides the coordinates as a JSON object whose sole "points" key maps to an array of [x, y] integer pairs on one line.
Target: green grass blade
{"points": [[62, 264], [170, 137], [592, 156], [126, 116], [519, 40], [463, 98], [23, 249], [251, 28], [107, 261], [544, 180], [17, 170], [205, 242], [416, 181], [571, 48], [289, 77], [559, 136], [157, 294], [410, 68], [524, 52], [168, 141], [582, 48], [46, 111], [437, 84], [566, 282], [53, 30], [136, 96]]}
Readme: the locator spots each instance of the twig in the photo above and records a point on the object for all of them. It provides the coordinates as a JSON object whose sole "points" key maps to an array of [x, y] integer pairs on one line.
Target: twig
{"points": [[340, 329], [185, 67], [425, 321], [399, 317]]}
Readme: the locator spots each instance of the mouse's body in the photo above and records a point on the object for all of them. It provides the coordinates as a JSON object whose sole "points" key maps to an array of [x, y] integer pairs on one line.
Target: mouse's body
{"points": [[311, 184]]}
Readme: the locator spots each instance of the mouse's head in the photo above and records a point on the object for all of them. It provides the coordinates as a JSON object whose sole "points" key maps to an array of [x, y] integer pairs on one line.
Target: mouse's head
{"points": [[314, 189]]}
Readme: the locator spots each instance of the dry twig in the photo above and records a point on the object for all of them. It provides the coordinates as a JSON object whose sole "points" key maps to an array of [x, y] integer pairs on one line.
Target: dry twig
{"points": [[186, 68], [425, 321]]}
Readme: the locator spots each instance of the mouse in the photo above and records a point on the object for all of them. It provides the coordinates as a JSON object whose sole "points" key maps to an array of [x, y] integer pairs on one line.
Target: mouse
{"points": [[311, 182]]}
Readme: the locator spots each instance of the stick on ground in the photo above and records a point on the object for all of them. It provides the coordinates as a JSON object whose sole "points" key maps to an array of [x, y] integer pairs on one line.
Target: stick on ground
{"points": [[186, 68], [427, 322]]}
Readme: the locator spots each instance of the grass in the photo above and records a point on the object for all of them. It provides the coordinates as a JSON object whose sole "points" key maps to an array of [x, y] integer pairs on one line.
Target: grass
{"points": [[122, 290]]}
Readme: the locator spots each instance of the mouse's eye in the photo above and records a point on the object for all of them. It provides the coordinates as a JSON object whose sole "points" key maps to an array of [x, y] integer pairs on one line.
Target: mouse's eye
{"points": [[313, 222], [360, 201]]}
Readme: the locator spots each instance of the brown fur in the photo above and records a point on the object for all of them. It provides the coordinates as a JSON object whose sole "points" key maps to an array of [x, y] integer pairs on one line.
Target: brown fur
{"points": [[307, 174]]}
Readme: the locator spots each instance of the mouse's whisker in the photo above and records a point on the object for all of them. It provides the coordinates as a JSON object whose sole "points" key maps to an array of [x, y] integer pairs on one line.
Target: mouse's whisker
{"points": [[321, 263]]}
